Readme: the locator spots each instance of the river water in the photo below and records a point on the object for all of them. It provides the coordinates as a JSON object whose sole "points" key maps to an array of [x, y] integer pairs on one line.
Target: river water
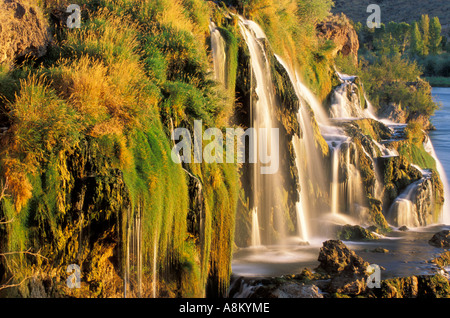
{"points": [[408, 252], [441, 120]]}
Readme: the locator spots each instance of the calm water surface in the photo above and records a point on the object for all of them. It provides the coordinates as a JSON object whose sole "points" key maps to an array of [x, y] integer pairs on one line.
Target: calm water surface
{"points": [[441, 120]]}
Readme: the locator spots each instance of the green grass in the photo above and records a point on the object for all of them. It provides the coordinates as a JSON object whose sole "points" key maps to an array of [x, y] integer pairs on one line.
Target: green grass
{"points": [[438, 81]]}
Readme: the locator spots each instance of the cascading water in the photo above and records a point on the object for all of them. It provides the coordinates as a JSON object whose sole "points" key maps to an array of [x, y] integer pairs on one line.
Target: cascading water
{"points": [[335, 180], [218, 54], [256, 239], [428, 145], [266, 206], [403, 210]]}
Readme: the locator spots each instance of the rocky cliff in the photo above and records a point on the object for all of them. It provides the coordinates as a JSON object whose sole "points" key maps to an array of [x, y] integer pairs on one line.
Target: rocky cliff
{"points": [[339, 30], [23, 30]]}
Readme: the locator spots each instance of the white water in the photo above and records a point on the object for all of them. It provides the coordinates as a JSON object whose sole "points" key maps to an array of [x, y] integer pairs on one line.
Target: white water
{"points": [[265, 198], [428, 145], [313, 171], [256, 239], [403, 210], [218, 53], [335, 181]]}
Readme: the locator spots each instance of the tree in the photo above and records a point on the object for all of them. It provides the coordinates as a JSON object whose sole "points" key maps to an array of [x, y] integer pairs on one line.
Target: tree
{"points": [[416, 47], [435, 35], [425, 28]]}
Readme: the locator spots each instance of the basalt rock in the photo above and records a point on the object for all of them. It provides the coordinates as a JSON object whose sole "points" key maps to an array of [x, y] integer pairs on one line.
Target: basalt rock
{"points": [[23, 30], [441, 239], [347, 270], [339, 29]]}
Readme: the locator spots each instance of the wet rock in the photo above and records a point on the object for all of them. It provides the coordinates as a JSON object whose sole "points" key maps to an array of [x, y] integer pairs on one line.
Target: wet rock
{"points": [[295, 290], [347, 270], [355, 233], [442, 260], [403, 228], [441, 239], [423, 286], [335, 257], [276, 287], [379, 249]]}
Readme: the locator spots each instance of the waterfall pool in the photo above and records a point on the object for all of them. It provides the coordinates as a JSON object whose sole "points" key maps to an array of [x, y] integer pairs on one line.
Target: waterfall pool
{"points": [[409, 253]]}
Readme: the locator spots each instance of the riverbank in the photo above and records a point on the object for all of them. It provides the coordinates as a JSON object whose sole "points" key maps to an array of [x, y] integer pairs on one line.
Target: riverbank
{"points": [[438, 81]]}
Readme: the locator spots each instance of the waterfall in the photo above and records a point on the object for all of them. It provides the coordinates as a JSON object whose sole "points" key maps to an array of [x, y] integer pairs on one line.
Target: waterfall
{"points": [[403, 210], [256, 239], [385, 151], [266, 203], [218, 53], [428, 145], [335, 181], [345, 102]]}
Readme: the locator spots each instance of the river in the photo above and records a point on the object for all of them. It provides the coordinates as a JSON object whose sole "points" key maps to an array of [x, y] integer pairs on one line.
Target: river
{"points": [[441, 120]]}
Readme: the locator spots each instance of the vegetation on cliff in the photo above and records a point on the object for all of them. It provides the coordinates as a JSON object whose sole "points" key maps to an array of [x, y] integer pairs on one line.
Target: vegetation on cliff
{"points": [[86, 157]]}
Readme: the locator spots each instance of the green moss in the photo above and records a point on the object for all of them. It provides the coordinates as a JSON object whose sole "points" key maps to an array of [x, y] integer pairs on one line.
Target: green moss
{"points": [[355, 233], [416, 155], [373, 128]]}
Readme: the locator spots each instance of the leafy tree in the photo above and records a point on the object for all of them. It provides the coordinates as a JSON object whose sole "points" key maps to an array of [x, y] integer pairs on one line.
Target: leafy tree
{"points": [[435, 35], [416, 47], [311, 11], [425, 28]]}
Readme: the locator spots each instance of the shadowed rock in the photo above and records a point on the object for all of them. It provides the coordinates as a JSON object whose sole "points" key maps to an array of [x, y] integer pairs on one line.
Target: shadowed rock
{"points": [[441, 239]]}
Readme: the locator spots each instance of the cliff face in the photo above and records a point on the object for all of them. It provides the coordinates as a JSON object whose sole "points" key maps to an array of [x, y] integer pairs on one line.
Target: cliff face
{"points": [[23, 30], [338, 29], [86, 158]]}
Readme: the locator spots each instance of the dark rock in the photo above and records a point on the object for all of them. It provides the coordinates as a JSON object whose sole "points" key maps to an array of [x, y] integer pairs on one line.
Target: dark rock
{"points": [[441, 239], [347, 270], [403, 228], [335, 257]]}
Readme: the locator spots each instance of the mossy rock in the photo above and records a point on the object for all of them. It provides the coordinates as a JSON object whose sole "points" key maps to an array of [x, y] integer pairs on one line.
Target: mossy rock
{"points": [[373, 128], [355, 233], [442, 260]]}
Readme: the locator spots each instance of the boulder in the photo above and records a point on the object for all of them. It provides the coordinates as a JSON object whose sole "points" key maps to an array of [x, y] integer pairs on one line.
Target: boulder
{"points": [[335, 257], [347, 270], [23, 30], [355, 233], [441, 239], [379, 249]]}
